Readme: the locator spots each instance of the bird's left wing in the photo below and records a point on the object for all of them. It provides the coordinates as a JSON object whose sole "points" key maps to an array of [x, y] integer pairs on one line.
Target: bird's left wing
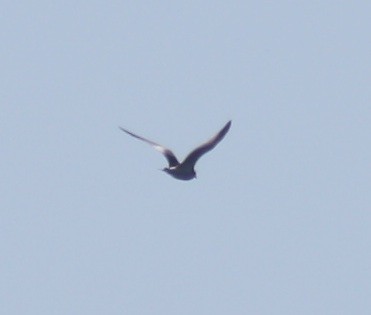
{"points": [[169, 155]]}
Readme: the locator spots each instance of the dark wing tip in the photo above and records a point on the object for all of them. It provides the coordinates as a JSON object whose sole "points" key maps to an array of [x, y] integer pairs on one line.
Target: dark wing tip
{"points": [[124, 130], [223, 132], [228, 125]]}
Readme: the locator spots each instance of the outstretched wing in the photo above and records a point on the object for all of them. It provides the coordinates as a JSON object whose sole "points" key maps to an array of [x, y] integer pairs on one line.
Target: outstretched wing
{"points": [[169, 155], [192, 157]]}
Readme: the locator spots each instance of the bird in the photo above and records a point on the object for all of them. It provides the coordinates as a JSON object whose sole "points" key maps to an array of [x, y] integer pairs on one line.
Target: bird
{"points": [[184, 170]]}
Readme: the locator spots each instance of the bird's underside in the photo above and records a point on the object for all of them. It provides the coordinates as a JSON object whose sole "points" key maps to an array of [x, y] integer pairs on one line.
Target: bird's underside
{"points": [[185, 169]]}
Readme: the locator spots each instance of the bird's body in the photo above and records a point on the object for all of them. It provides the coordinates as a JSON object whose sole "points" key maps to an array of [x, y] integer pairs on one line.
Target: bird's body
{"points": [[184, 170], [181, 171]]}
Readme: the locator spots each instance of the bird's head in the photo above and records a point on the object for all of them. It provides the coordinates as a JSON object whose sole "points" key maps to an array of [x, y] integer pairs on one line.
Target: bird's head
{"points": [[165, 169]]}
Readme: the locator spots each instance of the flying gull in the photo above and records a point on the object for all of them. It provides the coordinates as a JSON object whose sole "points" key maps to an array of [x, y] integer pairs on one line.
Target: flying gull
{"points": [[184, 170]]}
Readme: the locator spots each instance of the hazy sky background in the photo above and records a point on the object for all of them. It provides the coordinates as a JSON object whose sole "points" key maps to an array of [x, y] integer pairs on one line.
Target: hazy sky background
{"points": [[279, 219]]}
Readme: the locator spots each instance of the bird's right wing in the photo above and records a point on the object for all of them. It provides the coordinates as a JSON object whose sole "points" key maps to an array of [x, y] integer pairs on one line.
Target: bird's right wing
{"points": [[169, 155]]}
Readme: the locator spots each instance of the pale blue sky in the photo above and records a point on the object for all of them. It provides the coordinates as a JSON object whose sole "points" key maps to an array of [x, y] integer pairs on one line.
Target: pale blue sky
{"points": [[279, 219]]}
